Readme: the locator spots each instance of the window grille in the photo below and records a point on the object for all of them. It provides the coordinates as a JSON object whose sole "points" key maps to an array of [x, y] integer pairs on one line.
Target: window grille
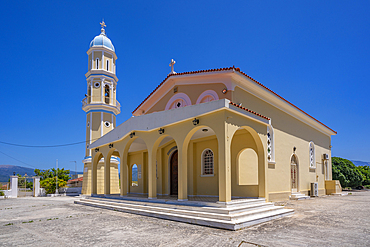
{"points": [[270, 144], [312, 154], [208, 167]]}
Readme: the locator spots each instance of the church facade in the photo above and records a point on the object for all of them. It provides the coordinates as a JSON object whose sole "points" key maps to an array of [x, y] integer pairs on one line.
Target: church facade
{"points": [[215, 132]]}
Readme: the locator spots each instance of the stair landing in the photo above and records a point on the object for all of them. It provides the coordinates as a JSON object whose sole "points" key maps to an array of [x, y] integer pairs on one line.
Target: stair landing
{"points": [[234, 215]]}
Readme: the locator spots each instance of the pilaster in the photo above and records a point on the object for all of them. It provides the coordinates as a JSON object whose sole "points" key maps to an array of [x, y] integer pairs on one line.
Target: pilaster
{"points": [[182, 173], [152, 176], [224, 161], [14, 186], [36, 186]]}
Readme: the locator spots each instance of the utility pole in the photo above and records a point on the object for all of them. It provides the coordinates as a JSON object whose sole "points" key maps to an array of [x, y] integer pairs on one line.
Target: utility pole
{"points": [[25, 184], [75, 168], [56, 179]]}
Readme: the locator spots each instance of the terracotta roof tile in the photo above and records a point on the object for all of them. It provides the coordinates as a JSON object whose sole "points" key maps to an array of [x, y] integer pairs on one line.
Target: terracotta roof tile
{"points": [[75, 180], [238, 70], [246, 109]]}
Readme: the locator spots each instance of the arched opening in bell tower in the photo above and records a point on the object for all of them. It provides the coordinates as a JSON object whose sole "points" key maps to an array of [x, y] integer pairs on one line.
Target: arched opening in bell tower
{"points": [[107, 94]]}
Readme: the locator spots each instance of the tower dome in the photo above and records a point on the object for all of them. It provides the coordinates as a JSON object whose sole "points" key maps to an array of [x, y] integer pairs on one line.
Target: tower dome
{"points": [[102, 40]]}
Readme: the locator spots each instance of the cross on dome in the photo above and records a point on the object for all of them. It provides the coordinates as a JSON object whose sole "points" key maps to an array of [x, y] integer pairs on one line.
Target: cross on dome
{"points": [[102, 24], [172, 64]]}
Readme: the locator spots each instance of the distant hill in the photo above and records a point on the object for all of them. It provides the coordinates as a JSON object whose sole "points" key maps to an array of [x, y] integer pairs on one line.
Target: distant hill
{"points": [[7, 170], [360, 163]]}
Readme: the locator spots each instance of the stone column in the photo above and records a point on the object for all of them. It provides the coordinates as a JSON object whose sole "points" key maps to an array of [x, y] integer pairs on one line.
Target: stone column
{"points": [[152, 176], [111, 94], [107, 176], [124, 174], [102, 93], [224, 166], [94, 177], [14, 186], [36, 186]]}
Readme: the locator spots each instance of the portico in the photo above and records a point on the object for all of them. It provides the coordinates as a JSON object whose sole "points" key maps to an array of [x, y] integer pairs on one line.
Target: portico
{"points": [[218, 123]]}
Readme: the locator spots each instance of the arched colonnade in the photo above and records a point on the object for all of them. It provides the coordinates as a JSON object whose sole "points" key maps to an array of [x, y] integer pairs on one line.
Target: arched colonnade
{"points": [[225, 126]]}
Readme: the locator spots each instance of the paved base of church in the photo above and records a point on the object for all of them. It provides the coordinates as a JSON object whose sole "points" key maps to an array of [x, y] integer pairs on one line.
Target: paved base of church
{"points": [[206, 211]]}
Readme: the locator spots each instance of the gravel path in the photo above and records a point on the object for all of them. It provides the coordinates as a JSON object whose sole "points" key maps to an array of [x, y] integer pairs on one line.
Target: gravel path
{"points": [[57, 221]]}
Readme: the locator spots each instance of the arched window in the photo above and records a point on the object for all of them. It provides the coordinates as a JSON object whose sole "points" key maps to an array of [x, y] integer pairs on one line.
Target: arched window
{"points": [[312, 155], [207, 96], [177, 101], [207, 163], [107, 64], [107, 94], [97, 63], [270, 144], [134, 180]]}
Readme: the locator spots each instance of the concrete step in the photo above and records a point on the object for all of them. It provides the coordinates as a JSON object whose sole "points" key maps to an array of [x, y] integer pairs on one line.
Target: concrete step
{"points": [[298, 196], [340, 194], [234, 218], [214, 208], [212, 213]]}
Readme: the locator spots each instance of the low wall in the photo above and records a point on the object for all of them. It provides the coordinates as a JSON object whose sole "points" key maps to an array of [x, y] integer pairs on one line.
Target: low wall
{"points": [[333, 187], [71, 191], [7, 193]]}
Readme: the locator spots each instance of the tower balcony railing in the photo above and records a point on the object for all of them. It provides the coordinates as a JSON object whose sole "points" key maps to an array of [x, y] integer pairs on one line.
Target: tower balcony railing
{"points": [[96, 99]]}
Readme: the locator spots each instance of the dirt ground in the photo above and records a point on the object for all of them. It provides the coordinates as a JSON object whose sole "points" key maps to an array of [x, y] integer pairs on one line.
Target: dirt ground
{"points": [[57, 221]]}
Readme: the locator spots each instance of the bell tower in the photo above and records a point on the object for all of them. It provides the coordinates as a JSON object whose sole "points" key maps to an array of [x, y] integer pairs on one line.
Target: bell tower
{"points": [[100, 105]]}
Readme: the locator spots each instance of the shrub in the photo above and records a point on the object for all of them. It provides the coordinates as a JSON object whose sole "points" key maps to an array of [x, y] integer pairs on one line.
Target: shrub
{"points": [[367, 186], [346, 172], [50, 184], [2, 193], [365, 170]]}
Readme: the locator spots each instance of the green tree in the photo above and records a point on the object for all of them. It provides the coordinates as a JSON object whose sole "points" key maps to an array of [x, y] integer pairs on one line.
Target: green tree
{"points": [[48, 178], [365, 170], [50, 184], [346, 172], [51, 173]]}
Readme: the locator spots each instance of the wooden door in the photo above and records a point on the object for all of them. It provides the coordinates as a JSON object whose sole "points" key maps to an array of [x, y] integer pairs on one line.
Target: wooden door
{"points": [[293, 172], [174, 173]]}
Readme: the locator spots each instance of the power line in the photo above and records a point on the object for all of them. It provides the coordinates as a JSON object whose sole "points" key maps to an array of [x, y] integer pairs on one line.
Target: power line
{"points": [[18, 160], [46, 146]]}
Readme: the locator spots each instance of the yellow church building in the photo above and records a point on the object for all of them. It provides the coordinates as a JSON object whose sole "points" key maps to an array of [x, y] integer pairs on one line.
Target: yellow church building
{"points": [[208, 133]]}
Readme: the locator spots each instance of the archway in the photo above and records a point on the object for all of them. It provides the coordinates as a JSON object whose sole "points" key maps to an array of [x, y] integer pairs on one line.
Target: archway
{"points": [[135, 170], [97, 166], [201, 147], [247, 164], [111, 172], [294, 174], [174, 173], [163, 174]]}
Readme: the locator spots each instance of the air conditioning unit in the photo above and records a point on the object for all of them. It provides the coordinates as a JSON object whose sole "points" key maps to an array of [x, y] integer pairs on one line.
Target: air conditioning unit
{"points": [[314, 189], [325, 156]]}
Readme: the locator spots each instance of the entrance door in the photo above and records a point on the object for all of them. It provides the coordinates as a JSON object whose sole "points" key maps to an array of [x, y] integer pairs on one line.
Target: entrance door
{"points": [[294, 174], [174, 173]]}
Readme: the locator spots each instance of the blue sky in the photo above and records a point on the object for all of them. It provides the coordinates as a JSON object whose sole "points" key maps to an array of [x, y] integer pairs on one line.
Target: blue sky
{"points": [[313, 53]]}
